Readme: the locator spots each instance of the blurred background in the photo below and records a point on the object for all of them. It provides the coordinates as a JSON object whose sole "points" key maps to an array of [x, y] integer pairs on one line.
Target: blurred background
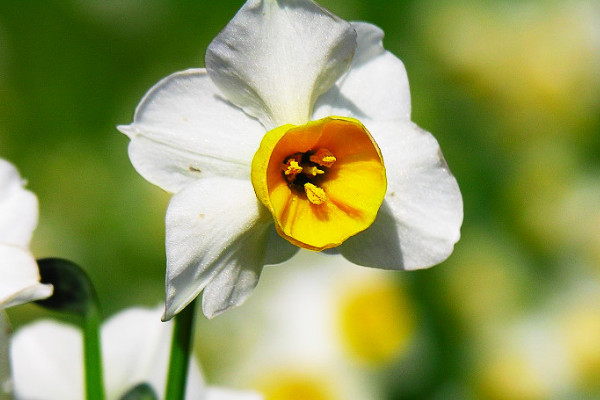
{"points": [[511, 90]]}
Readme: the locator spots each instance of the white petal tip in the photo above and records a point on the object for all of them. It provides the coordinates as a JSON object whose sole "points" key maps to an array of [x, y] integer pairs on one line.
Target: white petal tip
{"points": [[31, 293], [212, 307], [210, 314], [128, 130], [167, 315], [211, 310], [44, 291]]}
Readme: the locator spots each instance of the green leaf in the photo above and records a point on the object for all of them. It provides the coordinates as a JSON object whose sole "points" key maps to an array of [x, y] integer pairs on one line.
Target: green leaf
{"points": [[73, 291]]}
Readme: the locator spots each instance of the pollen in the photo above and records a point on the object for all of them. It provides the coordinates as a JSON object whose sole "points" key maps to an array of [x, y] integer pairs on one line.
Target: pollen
{"points": [[313, 171], [315, 194], [292, 168]]}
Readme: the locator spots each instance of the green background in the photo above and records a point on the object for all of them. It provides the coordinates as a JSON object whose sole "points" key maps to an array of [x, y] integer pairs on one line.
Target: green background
{"points": [[509, 89]]}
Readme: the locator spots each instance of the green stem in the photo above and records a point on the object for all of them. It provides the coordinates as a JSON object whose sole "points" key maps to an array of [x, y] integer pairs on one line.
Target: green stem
{"points": [[181, 348], [94, 387]]}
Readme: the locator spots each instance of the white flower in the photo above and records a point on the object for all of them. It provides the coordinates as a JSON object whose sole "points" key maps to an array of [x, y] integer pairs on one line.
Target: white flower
{"points": [[318, 306], [19, 275], [550, 352], [47, 359], [319, 325], [332, 109]]}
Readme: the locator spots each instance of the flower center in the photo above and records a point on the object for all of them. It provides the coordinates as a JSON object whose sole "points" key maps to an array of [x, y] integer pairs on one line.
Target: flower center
{"points": [[322, 182], [290, 384], [375, 321], [304, 171]]}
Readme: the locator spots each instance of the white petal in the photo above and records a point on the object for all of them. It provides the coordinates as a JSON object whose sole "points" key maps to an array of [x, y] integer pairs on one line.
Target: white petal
{"points": [[47, 361], [278, 249], [47, 357], [5, 374], [216, 235], [228, 394], [275, 58], [375, 87], [19, 277], [183, 129], [136, 347], [235, 282], [423, 199], [18, 207]]}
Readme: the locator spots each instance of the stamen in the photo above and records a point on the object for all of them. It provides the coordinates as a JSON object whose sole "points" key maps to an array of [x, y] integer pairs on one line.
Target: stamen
{"points": [[323, 157], [315, 194], [292, 168], [313, 171]]}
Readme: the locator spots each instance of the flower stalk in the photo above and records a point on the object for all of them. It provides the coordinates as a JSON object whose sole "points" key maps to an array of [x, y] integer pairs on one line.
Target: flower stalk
{"points": [[92, 355], [181, 349]]}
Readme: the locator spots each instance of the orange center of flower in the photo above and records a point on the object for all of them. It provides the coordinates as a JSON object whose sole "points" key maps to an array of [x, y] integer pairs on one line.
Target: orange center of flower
{"points": [[322, 182], [304, 171]]}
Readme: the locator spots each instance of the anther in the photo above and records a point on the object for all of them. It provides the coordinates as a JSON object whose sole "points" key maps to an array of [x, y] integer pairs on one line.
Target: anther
{"points": [[292, 167], [315, 194], [313, 171], [323, 157]]}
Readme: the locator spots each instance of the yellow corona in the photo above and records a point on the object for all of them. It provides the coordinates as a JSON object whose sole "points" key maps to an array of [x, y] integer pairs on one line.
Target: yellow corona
{"points": [[322, 182]]}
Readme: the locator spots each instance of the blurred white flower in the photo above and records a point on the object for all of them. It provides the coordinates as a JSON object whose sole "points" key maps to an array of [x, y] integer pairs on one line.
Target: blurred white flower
{"points": [[537, 60], [322, 306], [5, 379], [299, 78], [552, 353], [523, 361], [486, 282], [47, 359], [320, 325], [19, 275], [577, 320]]}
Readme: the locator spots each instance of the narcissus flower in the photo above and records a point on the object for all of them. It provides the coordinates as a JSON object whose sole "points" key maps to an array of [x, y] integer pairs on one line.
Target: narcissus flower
{"points": [[19, 275], [300, 121], [47, 359]]}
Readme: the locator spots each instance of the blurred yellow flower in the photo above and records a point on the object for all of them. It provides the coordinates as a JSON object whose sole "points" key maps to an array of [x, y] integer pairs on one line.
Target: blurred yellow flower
{"points": [[578, 322], [375, 319], [296, 385]]}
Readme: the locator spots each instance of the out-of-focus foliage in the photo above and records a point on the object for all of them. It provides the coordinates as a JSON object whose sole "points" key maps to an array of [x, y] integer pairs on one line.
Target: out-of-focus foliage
{"points": [[510, 89]]}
